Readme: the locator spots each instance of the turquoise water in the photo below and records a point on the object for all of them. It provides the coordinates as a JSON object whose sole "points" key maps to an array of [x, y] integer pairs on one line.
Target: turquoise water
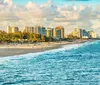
{"points": [[77, 64]]}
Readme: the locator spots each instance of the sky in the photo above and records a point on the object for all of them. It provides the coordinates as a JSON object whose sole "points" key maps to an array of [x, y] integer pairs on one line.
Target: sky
{"points": [[70, 14], [59, 1]]}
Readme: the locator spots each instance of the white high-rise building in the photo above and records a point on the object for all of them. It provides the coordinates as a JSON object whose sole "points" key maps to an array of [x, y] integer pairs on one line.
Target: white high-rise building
{"points": [[92, 34], [12, 29], [29, 29], [40, 30]]}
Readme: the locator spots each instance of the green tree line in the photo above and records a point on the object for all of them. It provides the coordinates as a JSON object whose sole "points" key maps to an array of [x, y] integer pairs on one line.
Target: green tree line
{"points": [[22, 37]]}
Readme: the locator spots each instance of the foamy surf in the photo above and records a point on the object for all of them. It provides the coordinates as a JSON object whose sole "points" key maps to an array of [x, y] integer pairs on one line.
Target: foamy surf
{"points": [[64, 47], [77, 64]]}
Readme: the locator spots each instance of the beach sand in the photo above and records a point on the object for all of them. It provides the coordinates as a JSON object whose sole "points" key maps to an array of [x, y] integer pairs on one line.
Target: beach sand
{"points": [[11, 50]]}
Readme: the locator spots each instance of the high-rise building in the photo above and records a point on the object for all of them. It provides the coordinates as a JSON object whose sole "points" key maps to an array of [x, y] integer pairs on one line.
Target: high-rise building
{"points": [[85, 34], [40, 30], [78, 32], [9, 29], [12, 29], [49, 32], [59, 32], [29, 29], [15, 29], [92, 34], [82, 33]]}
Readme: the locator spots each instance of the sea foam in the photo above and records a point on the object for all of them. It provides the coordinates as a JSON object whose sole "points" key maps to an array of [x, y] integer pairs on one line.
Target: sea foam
{"points": [[75, 64]]}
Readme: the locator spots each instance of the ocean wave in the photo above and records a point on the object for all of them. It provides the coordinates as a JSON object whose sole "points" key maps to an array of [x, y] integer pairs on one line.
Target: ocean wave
{"points": [[72, 64], [64, 47]]}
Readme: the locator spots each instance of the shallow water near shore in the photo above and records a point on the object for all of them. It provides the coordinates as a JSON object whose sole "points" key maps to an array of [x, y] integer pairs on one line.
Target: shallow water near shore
{"points": [[77, 64]]}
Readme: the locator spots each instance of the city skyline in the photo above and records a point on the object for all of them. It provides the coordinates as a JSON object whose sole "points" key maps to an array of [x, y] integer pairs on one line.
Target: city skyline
{"points": [[51, 13], [56, 32]]}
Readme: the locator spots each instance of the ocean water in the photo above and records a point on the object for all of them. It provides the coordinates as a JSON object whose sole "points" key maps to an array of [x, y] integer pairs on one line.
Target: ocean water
{"points": [[77, 64]]}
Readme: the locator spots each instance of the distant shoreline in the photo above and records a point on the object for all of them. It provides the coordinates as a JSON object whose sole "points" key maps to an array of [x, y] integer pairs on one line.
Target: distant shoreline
{"points": [[11, 50]]}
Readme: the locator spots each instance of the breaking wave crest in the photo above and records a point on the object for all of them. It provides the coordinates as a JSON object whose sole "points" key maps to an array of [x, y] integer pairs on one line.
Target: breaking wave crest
{"points": [[76, 64]]}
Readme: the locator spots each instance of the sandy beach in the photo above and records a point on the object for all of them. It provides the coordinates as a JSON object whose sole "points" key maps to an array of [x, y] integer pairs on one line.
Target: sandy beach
{"points": [[18, 49]]}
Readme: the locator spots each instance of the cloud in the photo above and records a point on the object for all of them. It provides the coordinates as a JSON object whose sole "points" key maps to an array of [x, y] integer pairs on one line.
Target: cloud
{"points": [[46, 10], [49, 14], [9, 2]]}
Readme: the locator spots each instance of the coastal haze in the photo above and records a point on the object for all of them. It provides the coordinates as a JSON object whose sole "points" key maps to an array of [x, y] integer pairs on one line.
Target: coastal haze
{"points": [[49, 42]]}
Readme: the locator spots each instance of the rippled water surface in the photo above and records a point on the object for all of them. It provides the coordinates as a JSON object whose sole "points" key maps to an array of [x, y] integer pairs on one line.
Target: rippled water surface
{"points": [[77, 64]]}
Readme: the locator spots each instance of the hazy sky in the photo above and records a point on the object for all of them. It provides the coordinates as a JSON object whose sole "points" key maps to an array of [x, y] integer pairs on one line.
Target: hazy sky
{"points": [[50, 13]]}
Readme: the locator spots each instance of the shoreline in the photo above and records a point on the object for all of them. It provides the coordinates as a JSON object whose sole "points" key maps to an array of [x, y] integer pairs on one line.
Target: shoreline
{"points": [[13, 50]]}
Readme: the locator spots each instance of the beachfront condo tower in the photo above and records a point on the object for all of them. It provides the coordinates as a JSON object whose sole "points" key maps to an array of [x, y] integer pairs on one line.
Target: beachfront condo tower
{"points": [[40, 30], [59, 32], [29, 29], [49, 32], [92, 34], [77, 32], [12, 29], [85, 34], [82, 33]]}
